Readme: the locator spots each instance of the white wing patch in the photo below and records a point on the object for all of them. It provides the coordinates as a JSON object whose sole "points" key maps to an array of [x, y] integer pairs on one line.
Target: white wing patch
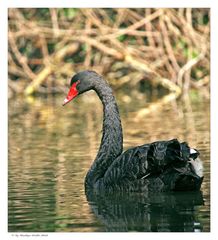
{"points": [[192, 151], [198, 166]]}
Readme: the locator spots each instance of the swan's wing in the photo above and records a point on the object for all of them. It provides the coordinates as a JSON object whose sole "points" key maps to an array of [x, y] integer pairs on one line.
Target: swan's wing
{"points": [[162, 153], [146, 160]]}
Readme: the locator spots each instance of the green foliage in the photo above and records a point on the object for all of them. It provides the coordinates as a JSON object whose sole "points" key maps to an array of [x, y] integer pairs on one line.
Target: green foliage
{"points": [[69, 13], [122, 37]]}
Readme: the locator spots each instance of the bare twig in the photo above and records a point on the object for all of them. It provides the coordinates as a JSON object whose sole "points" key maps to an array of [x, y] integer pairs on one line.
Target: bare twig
{"points": [[190, 64], [20, 58]]}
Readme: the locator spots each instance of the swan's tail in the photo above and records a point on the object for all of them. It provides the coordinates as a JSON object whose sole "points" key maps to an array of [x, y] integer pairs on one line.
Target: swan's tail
{"points": [[188, 183], [193, 177], [186, 173]]}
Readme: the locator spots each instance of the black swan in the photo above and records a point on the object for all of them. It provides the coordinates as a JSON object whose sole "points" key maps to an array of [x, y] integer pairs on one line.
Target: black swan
{"points": [[158, 166]]}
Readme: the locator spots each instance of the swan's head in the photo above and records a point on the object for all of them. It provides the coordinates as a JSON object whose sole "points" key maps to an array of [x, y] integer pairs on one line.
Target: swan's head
{"points": [[80, 83]]}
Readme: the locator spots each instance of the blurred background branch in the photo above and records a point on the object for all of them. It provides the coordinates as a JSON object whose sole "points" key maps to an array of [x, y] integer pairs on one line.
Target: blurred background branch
{"points": [[167, 47]]}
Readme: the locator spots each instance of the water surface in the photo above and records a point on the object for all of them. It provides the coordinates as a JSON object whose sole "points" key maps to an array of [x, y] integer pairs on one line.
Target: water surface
{"points": [[51, 148]]}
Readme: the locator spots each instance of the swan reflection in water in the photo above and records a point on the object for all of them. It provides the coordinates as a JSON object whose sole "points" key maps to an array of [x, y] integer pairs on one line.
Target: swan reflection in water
{"points": [[147, 212]]}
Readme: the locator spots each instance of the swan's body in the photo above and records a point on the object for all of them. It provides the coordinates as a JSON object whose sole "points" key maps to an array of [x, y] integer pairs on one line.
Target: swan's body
{"points": [[158, 166]]}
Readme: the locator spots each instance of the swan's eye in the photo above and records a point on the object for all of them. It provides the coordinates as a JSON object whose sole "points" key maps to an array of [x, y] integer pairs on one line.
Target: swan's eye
{"points": [[77, 82]]}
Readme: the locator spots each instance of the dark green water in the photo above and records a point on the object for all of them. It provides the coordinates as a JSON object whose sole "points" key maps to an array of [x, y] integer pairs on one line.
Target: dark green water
{"points": [[51, 148]]}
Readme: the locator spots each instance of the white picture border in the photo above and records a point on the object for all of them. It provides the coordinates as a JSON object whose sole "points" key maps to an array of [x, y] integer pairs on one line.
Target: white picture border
{"points": [[4, 5]]}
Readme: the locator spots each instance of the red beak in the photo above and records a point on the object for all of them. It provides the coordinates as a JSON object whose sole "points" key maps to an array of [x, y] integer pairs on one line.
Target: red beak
{"points": [[73, 92]]}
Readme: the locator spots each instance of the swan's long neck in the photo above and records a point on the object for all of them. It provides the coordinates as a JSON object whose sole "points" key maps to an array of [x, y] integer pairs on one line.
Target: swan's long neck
{"points": [[112, 139]]}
